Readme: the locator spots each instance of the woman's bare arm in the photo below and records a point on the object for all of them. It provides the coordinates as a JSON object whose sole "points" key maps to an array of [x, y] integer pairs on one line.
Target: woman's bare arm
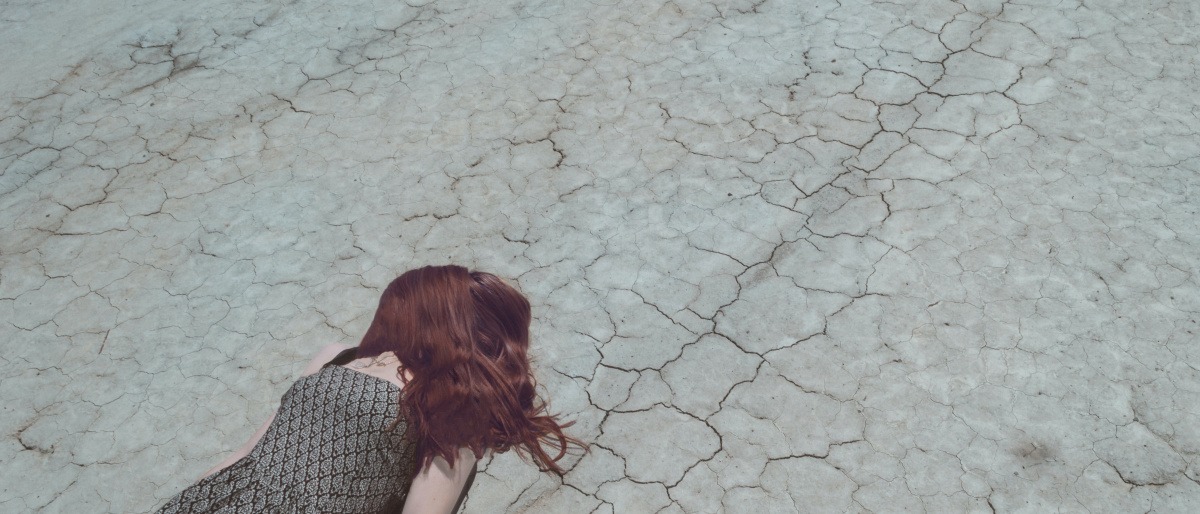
{"points": [[323, 356], [436, 488]]}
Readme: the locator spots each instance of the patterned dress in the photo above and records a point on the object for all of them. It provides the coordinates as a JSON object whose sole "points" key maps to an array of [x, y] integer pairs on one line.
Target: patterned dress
{"points": [[328, 450]]}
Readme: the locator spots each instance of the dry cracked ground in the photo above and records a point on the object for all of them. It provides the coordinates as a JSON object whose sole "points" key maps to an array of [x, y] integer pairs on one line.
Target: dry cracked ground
{"points": [[819, 256]]}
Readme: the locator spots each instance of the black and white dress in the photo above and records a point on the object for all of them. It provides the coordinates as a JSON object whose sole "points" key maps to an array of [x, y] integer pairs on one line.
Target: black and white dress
{"points": [[329, 449]]}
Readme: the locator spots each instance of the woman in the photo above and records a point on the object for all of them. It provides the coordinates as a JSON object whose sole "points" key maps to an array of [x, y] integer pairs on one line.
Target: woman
{"points": [[397, 424]]}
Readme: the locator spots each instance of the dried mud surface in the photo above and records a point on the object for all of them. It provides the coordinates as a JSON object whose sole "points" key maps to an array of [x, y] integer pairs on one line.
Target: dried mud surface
{"points": [[784, 256]]}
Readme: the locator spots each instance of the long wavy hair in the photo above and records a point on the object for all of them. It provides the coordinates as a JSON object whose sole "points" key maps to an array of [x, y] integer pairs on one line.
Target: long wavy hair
{"points": [[464, 337]]}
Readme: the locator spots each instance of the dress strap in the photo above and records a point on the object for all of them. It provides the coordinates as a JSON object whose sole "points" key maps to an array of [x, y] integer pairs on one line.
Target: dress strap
{"points": [[466, 488]]}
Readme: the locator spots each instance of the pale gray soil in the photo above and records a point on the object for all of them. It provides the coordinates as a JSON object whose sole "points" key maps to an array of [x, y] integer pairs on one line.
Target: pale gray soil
{"points": [[784, 256]]}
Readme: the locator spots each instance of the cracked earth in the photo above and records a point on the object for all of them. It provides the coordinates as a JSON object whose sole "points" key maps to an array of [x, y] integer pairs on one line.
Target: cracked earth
{"points": [[817, 256]]}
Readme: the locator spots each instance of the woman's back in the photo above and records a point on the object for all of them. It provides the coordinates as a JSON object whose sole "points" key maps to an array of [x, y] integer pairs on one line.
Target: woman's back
{"points": [[448, 348], [329, 449]]}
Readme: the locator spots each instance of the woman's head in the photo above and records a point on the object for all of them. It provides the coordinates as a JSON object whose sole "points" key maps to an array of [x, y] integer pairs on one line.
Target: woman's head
{"points": [[464, 336]]}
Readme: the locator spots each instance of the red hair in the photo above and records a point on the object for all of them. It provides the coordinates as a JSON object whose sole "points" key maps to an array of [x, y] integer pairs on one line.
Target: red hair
{"points": [[463, 336]]}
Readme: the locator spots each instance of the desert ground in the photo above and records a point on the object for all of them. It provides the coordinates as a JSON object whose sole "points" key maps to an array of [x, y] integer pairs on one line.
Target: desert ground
{"points": [[783, 256]]}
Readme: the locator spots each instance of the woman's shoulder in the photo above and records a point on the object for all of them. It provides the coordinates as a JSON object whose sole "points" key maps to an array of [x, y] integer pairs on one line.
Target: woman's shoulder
{"points": [[324, 355]]}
